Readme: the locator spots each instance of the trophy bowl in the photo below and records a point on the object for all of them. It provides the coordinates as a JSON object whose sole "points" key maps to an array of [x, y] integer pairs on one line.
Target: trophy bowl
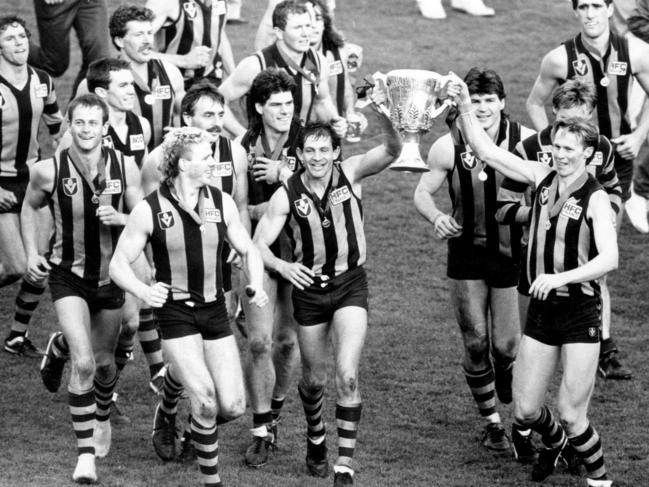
{"points": [[412, 97]]}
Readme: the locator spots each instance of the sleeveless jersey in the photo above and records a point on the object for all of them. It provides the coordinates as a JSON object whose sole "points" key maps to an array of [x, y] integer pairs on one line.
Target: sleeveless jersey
{"points": [[193, 28], [474, 201], [615, 69], [306, 91], [561, 233], [21, 111], [224, 173], [326, 235], [81, 243], [155, 100], [186, 253], [134, 145]]}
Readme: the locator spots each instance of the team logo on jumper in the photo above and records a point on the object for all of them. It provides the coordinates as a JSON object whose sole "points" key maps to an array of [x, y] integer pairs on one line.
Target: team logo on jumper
{"points": [[335, 68], [592, 332], [165, 220], [340, 195], [303, 207], [617, 68], [212, 215], [136, 142], [40, 90], [544, 195], [107, 141], [190, 10], [162, 92], [545, 157], [571, 209], [70, 186], [580, 66], [291, 162], [222, 169], [468, 160], [598, 159], [113, 186]]}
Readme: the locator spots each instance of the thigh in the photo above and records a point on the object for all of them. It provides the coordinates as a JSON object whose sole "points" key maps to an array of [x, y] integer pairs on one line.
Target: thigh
{"points": [[46, 225], [224, 365], [91, 25], [313, 342], [12, 251], [579, 362], [74, 319], [259, 321], [349, 328], [503, 304], [105, 325], [285, 324], [187, 358], [469, 299], [533, 370]]}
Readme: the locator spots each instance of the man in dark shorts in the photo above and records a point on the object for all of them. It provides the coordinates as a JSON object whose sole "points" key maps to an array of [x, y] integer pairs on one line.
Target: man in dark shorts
{"points": [[188, 294], [320, 209], [27, 97], [572, 245], [88, 188], [483, 278]]}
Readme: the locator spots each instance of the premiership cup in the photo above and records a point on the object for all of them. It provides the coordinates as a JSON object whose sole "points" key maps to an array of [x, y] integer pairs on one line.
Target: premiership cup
{"points": [[412, 97]]}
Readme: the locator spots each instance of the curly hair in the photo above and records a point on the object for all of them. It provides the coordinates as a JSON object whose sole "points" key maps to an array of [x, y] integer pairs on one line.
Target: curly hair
{"points": [[125, 14], [176, 145], [10, 20], [286, 8]]}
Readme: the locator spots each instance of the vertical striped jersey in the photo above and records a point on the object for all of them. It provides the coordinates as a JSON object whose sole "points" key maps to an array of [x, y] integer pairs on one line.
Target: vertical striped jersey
{"points": [[561, 234], [474, 201], [611, 76], [81, 243], [134, 144], [337, 69], [224, 173], [155, 100], [306, 90], [193, 28], [186, 252], [326, 235], [21, 111]]}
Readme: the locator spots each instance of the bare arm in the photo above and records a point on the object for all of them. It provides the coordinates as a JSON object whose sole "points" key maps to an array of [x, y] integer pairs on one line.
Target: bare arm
{"points": [[234, 87], [240, 161], [41, 182], [146, 131], [225, 51], [324, 107], [268, 229], [240, 240], [107, 214], [130, 245], [553, 68], [599, 212], [178, 85], [265, 35], [440, 162], [150, 174]]}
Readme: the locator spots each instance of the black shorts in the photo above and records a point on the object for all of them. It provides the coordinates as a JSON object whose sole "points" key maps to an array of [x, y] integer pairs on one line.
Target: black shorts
{"points": [[559, 321], [318, 303], [474, 262], [178, 319], [18, 187], [624, 170], [64, 283], [226, 269], [523, 281]]}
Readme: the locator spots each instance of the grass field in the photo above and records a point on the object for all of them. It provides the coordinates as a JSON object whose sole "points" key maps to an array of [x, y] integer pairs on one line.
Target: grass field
{"points": [[420, 426]]}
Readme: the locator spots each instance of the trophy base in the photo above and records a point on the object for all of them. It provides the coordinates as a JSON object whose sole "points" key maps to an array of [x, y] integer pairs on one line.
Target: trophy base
{"points": [[409, 160]]}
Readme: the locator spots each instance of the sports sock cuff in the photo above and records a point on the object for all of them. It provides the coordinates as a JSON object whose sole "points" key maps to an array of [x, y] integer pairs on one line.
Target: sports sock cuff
{"points": [[260, 419]]}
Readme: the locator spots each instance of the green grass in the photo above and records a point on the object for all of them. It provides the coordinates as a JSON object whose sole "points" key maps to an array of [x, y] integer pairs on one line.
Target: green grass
{"points": [[420, 426]]}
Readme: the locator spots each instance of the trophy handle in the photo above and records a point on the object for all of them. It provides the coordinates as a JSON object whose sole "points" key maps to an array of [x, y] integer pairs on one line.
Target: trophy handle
{"points": [[436, 112]]}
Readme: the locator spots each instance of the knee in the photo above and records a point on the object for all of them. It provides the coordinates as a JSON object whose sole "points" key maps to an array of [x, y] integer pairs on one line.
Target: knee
{"points": [[130, 326], [504, 350], [84, 368], [525, 412], [347, 383], [286, 345], [572, 419], [104, 367], [204, 405], [312, 378], [58, 68], [233, 409], [476, 348], [260, 346]]}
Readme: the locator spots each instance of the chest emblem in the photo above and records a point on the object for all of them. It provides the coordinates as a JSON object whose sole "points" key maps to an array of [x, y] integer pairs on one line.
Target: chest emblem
{"points": [[468, 160], [70, 186], [580, 66], [166, 220], [303, 207], [544, 194], [190, 10], [545, 157]]}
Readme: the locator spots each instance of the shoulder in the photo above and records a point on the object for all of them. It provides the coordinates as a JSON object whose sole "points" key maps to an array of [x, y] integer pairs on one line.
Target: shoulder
{"points": [[174, 74], [41, 173], [165, 8], [442, 153], [526, 133], [555, 61]]}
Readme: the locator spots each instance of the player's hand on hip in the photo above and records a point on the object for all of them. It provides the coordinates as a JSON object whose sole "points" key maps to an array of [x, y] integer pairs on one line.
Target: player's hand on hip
{"points": [[544, 284], [156, 295], [297, 274], [446, 227], [7, 199], [38, 268]]}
